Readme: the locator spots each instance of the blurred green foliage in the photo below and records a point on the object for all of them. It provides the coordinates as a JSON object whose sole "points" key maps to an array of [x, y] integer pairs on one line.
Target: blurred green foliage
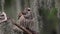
{"points": [[52, 14], [50, 20], [52, 17]]}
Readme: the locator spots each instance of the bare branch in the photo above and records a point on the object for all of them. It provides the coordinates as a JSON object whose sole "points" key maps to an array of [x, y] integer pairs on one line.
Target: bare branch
{"points": [[21, 27]]}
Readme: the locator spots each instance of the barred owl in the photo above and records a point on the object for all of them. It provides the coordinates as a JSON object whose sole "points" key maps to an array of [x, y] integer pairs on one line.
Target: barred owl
{"points": [[26, 20]]}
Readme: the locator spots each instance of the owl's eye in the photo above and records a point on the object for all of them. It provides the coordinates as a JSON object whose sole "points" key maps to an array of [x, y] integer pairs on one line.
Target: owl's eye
{"points": [[28, 9]]}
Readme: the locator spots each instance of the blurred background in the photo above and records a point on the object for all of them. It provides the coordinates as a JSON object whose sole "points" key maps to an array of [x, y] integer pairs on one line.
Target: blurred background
{"points": [[46, 12]]}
